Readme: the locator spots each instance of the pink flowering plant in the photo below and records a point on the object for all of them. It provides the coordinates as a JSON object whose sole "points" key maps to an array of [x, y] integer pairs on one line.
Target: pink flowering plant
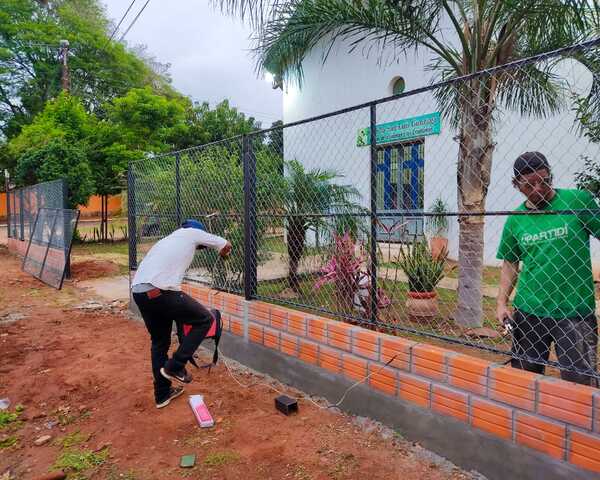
{"points": [[346, 271]]}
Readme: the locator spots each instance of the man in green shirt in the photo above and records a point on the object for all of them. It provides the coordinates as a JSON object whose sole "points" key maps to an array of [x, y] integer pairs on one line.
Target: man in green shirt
{"points": [[554, 301]]}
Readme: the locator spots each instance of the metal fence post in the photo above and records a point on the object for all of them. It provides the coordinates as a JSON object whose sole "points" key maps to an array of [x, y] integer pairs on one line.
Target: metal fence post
{"points": [[8, 216], [21, 216], [250, 276], [373, 244], [66, 226], [177, 191], [131, 219]]}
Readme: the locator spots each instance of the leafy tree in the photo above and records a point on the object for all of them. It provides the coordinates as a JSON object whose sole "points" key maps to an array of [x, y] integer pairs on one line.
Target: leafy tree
{"points": [[30, 35], [462, 37], [58, 159]]}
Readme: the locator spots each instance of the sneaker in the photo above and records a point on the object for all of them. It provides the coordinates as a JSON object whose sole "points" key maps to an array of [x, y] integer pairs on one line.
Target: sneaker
{"points": [[173, 393], [182, 376]]}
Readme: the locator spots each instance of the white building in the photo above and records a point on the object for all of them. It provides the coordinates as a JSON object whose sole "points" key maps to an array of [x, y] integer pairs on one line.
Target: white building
{"points": [[348, 79]]}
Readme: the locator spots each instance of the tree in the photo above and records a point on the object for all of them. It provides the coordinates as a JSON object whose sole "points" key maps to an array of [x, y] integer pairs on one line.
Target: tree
{"points": [[208, 125], [484, 34], [30, 35], [58, 159], [307, 195]]}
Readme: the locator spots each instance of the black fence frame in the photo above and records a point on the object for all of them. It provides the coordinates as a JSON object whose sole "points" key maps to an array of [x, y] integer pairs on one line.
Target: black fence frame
{"points": [[250, 215]]}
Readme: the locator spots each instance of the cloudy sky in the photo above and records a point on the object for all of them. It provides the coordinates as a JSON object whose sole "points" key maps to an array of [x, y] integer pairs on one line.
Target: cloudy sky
{"points": [[208, 52]]}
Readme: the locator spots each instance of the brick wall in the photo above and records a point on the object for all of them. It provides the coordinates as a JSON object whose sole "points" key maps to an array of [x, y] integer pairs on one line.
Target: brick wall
{"points": [[557, 418]]}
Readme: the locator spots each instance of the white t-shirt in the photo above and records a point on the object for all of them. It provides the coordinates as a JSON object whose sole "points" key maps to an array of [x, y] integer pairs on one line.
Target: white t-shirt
{"points": [[165, 264]]}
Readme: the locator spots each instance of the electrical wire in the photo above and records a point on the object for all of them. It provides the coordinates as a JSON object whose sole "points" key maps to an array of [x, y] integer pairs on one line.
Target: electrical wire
{"points": [[120, 22], [134, 20], [303, 397]]}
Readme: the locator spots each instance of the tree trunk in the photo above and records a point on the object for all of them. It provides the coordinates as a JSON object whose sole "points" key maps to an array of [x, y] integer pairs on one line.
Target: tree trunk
{"points": [[473, 176], [295, 247]]}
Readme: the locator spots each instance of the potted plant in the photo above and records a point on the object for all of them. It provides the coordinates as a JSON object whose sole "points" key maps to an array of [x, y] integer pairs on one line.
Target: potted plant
{"points": [[438, 227], [424, 271]]}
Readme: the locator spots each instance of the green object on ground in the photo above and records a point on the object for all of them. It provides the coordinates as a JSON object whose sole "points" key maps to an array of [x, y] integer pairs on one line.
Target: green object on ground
{"points": [[188, 461]]}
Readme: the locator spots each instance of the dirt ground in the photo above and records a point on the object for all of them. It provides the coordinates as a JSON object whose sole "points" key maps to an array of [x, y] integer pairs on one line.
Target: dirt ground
{"points": [[83, 377]]}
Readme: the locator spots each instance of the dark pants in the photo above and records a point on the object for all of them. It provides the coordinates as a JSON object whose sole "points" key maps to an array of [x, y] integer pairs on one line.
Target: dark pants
{"points": [[159, 313], [575, 341]]}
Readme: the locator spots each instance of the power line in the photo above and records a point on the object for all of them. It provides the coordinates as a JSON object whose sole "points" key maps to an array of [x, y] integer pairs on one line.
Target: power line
{"points": [[134, 20], [120, 21]]}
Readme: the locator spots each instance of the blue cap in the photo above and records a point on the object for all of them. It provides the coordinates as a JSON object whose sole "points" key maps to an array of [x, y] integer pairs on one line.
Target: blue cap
{"points": [[189, 223]]}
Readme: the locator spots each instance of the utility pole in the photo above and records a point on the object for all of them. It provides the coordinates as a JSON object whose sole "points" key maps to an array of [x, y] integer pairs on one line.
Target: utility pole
{"points": [[64, 63]]}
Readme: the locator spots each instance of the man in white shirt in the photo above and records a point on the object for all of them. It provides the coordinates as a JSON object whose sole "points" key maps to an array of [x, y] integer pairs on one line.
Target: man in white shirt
{"points": [[156, 290]]}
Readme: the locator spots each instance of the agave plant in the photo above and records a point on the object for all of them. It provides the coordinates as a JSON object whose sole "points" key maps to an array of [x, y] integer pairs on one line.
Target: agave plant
{"points": [[424, 271]]}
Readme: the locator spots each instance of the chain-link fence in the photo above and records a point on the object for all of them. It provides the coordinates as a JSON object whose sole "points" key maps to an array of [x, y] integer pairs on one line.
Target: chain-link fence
{"points": [[49, 247], [410, 215], [23, 205]]}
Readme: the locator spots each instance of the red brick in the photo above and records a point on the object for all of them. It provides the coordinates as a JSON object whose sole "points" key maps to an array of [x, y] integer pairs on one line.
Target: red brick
{"points": [[297, 324], [260, 312], [330, 359], [339, 335], [450, 402], [585, 450], [256, 333], [233, 304], [597, 412], [271, 338], [512, 386], [383, 379], [199, 293], [543, 435], [566, 401], [289, 344], [429, 361], [279, 318], [354, 367], [468, 373], [399, 347], [414, 389], [366, 343], [317, 329], [309, 351], [491, 417], [237, 327]]}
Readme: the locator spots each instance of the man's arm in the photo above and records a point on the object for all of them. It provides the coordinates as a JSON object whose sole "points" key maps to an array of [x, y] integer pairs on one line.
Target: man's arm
{"points": [[209, 240], [508, 278]]}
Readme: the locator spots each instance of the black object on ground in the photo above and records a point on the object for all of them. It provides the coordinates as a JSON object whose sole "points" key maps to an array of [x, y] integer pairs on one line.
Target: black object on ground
{"points": [[286, 405]]}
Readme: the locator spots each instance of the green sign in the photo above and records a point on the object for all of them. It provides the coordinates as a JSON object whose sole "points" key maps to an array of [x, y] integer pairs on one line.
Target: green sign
{"points": [[400, 130]]}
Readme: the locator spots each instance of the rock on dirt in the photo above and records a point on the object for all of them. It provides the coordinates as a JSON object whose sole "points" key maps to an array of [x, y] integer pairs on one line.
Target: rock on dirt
{"points": [[42, 440]]}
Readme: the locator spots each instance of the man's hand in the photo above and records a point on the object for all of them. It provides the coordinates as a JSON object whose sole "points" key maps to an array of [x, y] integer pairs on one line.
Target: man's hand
{"points": [[225, 251], [504, 316]]}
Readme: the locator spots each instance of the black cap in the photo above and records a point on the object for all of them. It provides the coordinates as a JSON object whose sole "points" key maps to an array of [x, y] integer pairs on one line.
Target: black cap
{"points": [[530, 162]]}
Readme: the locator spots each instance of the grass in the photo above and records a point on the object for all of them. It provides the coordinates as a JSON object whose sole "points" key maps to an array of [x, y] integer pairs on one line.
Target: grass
{"points": [[8, 442], [218, 459], [74, 439], [394, 315], [277, 245], [88, 248], [76, 463], [10, 420]]}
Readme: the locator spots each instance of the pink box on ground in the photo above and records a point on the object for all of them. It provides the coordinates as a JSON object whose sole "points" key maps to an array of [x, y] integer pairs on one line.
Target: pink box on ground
{"points": [[201, 412]]}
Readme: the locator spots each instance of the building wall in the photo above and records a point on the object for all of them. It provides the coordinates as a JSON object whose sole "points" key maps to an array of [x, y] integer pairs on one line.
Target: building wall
{"points": [[347, 79]]}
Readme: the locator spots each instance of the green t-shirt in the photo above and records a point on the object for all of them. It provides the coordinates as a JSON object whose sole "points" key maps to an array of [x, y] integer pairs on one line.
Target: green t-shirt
{"points": [[556, 275]]}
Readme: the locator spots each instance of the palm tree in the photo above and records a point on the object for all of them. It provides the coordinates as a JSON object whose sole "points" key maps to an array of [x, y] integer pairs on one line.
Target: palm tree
{"points": [[484, 34], [306, 196]]}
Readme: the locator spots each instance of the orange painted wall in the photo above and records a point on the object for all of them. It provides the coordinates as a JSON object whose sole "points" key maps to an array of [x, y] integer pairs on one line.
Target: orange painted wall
{"points": [[92, 209], [94, 206]]}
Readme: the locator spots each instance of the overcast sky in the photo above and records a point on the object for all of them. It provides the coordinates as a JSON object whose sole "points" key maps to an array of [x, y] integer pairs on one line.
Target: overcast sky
{"points": [[208, 53]]}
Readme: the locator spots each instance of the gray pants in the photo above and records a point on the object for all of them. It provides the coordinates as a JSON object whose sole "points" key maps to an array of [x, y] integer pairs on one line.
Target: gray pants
{"points": [[575, 341]]}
